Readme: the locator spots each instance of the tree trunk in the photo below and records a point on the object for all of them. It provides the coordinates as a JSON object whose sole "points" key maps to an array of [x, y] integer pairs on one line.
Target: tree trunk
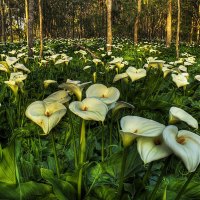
{"points": [[10, 20], [139, 2], [41, 27], [192, 30], [29, 8], [169, 24], [3, 21], [198, 25], [178, 29], [109, 24]]}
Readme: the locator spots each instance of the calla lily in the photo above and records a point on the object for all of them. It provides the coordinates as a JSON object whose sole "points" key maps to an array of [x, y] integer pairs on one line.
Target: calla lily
{"points": [[117, 106], [59, 96], [21, 67], [3, 68], [18, 76], [141, 126], [187, 63], [119, 77], [152, 148], [166, 71], [197, 77], [13, 86], [178, 114], [11, 60], [136, 74], [180, 80], [183, 68], [87, 67], [89, 109], [184, 144], [127, 139], [45, 115], [48, 82], [75, 89], [100, 91], [97, 61]]}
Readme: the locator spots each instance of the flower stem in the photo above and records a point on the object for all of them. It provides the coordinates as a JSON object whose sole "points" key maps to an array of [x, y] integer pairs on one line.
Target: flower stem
{"points": [[185, 186], [82, 157], [160, 178], [55, 155], [102, 143], [146, 176], [74, 142], [111, 130], [121, 180]]}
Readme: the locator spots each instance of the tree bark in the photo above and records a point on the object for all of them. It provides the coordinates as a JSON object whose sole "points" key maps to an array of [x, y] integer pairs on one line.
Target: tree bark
{"points": [[10, 20], [198, 24], [169, 24], [139, 2], [41, 27], [3, 21], [109, 24], [192, 30], [178, 29], [29, 8]]}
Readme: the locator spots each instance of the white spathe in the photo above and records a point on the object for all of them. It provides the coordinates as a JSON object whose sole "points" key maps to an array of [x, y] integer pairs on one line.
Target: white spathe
{"points": [[140, 126], [178, 114], [47, 116], [152, 148], [136, 74], [60, 96], [184, 144], [180, 80], [89, 109], [100, 91]]}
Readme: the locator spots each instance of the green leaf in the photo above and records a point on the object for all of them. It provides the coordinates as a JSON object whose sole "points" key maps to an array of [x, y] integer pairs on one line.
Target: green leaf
{"points": [[7, 165], [62, 189], [26, 190]]}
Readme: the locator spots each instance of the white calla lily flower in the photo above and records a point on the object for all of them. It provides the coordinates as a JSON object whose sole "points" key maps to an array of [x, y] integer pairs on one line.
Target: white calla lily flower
{"points": [[11, 60], [89, 109], [136, 74], [13, 86], [119, 77], [3, 68], [100, 91], [48, 82], [197, 77], [59, 96], [140, 126], [184, 144], [18, 76], [47, 116], [152, 148], [178, 114], [21, 67], [180, 80]]}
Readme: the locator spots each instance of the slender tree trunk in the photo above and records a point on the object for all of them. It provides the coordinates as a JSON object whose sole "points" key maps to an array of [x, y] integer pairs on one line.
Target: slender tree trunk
{"points": [[178, 28], [139, 2], [10, 20], [3, 21], [192, 30], [198, 25], [109, 24], [41, 27], [29, 8], [169, 24]]}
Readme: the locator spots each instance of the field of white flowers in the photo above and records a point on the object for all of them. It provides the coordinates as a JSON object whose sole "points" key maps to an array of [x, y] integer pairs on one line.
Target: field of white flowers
{"points": [[84, 123]]}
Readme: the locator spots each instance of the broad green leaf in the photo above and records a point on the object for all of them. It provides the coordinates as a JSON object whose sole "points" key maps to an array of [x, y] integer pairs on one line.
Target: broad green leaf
{"points": [[62, 189], [26, 190], [7, 165]]}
